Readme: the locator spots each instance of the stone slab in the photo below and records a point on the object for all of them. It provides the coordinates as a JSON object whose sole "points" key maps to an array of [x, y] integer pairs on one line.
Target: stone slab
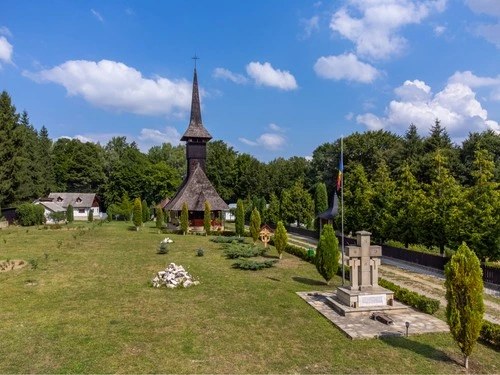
{"points": [[361, 326]]}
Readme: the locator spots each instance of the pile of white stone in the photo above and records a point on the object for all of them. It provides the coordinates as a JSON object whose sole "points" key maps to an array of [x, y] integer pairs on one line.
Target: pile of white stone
{"points": [[174, 276]]}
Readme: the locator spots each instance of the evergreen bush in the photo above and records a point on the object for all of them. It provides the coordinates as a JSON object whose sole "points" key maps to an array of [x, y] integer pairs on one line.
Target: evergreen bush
{"points": [[159, 218], [207, 218], [137, 218], [327, 254], [184, 218], [252, 265], [200, 252], [240, 250], [255, 225], [70, 214], [90, 217]]}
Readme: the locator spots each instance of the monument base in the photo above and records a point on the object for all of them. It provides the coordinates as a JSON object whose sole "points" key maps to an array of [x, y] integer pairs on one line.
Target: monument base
{"points": [[347, 301]]}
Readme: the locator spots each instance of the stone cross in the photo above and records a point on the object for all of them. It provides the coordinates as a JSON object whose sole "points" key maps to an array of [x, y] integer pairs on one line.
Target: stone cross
{"points": [[364, 261]]}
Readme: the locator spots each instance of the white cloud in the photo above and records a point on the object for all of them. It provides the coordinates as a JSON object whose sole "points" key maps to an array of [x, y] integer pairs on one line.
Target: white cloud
{"points": [[349, 116], [310, 25], [169, 135], [276, 128], [346, 67], [456, 106], [97, 15], [490, 32], [376, 32], [227, 74], [439, 30], [266, 75], [270, 141], [470, 79], [5, 50], [116, 86], [4, 30], [490, 7]]}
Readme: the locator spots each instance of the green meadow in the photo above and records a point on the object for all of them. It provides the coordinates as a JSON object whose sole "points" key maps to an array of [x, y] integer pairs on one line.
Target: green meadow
{"points": [[83, 303]]}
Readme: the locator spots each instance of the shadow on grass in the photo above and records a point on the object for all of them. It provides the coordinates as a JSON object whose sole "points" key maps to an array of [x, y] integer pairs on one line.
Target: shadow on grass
{"points": [[425, 350], [307, 281], [273, 279], [270, 256]]}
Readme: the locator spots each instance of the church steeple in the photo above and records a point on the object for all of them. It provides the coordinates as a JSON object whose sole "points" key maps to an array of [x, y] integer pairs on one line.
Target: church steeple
{"points": [[196, 136], [195, 128]]}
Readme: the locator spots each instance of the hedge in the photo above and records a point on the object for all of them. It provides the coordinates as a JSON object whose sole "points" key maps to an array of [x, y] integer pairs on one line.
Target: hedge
{"points": [[420, 302], [490, 333]]}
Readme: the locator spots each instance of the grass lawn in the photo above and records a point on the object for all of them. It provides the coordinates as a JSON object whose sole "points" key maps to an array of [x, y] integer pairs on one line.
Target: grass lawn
{"points": [[88, 307]]}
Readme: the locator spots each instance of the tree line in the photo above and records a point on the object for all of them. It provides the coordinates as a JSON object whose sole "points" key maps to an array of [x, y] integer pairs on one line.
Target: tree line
{"points": [[410, 188]]}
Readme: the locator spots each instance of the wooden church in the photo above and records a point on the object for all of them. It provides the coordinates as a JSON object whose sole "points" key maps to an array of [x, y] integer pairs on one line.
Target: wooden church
{"points": [[196, 188]]}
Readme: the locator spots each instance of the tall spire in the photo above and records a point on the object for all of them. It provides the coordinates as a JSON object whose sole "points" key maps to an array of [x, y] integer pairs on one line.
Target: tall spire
{"points": [[195, 128]]}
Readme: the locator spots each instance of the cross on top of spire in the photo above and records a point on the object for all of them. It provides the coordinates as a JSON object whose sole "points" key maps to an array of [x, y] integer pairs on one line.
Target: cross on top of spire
{"points": [[195, 58]]}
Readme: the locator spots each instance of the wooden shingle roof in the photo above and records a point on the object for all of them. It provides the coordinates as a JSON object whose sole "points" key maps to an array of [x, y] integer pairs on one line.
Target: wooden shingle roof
{"points": [[195, 190], [195, 128]]}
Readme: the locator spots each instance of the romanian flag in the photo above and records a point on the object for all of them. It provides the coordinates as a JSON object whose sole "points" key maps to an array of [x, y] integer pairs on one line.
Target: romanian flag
{"points": [[341, 170]]}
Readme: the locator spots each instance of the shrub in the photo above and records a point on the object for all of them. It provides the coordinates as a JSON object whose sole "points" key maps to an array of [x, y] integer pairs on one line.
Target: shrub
{"points": [[229, 239], [137, 219], [200, 252], [90, 217], [159, 218], [280, 238], [255, 225], [26, 214], [70, 215], [420, 302], [207, 218], [248, 264], [490, 333], [184, 218], [327, 254], [240, 218], [238, 250], [163, 248]]}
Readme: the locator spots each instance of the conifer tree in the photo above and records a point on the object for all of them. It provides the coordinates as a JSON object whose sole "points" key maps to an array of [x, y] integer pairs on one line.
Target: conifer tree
{"points": [[327, 254], [159, 218], [90, 217], [137, 213], [207, 218], [145, 211], [184, 218], [255, 225], [280, 238], [70, 214], [464, 293], [240, 218], [273, 212]]}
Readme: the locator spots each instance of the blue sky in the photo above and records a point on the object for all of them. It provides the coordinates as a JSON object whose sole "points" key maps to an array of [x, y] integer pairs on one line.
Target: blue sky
{"points": [[278, 78]]}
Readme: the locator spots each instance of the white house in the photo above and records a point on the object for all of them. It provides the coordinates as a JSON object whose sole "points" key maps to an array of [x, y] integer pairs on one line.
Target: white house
{"points": [[82, 203], [50, 208]]}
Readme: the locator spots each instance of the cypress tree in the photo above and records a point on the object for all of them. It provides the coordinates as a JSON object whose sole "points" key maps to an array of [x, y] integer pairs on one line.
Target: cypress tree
{"points": [[184, 218], [327, 254], [240, 218], [280, 238], [159, 218], [70, 214], [255, 224], [137, 213], [207, 218], [90, 217], [145, 211], [320, 201], [464, 293]]}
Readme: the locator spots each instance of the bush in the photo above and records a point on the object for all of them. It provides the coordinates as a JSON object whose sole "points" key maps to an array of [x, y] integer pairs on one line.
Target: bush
{"points": [[229, 239], [490, 333], [26, 214], [70, 215], [239, 250], [248, 264], [163, 248], [420, 302], [200, 252]]}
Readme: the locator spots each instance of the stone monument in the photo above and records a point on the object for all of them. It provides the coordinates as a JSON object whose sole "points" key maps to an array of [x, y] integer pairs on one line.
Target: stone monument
{"points": [[364, 294]]}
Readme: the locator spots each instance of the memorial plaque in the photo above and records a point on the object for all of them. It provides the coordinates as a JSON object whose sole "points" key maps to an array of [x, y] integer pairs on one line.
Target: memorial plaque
{"points": [[372, 300]]}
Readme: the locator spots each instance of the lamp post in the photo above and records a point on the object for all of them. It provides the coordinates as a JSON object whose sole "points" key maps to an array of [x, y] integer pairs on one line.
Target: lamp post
{"points": [[407, 324]]}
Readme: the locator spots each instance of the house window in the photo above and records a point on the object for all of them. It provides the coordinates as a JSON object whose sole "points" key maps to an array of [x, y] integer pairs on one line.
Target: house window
{"points": [[59, 199], [78, 200], [81, 210]]}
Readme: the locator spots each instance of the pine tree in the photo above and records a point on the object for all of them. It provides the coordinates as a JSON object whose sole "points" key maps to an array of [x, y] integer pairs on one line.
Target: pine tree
{"points": [[145, 211], [137, 213], [159, 218], [327, 254], [240, 218], [255, 225], [280, 238], [70, 216], [464, 293], [184, 218], [207, 216]]}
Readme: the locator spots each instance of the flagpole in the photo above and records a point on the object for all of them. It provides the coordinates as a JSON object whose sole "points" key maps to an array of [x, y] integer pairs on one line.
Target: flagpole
{"points": [[342, 206]]}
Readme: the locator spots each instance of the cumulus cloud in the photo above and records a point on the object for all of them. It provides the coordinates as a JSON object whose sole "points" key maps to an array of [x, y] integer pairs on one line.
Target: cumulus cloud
{"points": [[5, 50], [169, 135], [346, 67], [470, 79], [376, 31], [489, 7], [456, 106], [309, 25], [227, 74], [97, 15], [489, 31], [116, 86], [266, 75], [270, 141], [4, 30]]}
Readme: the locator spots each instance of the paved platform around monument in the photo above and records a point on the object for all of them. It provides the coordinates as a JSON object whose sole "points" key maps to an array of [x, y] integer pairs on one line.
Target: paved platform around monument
{"points": [[363, 327]]}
